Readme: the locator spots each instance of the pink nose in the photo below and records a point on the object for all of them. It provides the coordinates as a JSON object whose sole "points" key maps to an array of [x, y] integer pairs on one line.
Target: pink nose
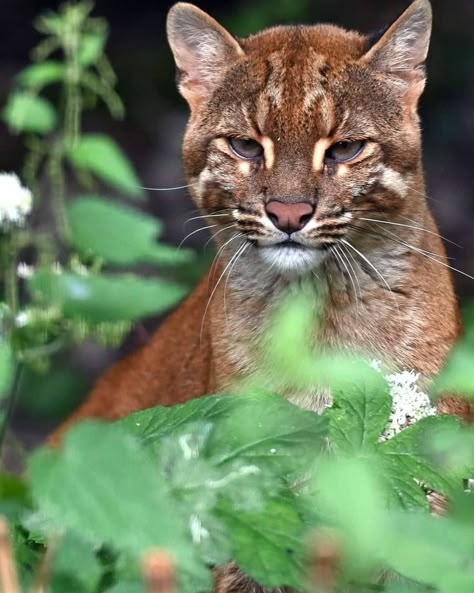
{"points": [[289, 217]]}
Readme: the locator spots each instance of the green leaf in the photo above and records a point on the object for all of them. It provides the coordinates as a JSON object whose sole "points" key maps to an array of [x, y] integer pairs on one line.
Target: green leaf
{"points": [[105, 489], [38, 75], [119, 235], [260, 428], [91, 47], [14, 497], [458, 374], [267, 544], [105, 297], [75, 567], [358, 417], [406, 457], [27, 113], [103, 157]]}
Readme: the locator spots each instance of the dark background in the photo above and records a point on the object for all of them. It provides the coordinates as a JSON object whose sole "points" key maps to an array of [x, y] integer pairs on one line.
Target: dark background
{"points": [[152, 131]]}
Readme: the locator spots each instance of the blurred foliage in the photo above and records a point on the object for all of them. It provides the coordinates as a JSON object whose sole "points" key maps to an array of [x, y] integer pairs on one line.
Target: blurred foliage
{"points": [[66, 294]]}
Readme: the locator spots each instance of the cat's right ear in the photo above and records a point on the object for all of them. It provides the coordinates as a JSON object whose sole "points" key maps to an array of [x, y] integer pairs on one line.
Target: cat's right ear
{"points": [[202, 50]]}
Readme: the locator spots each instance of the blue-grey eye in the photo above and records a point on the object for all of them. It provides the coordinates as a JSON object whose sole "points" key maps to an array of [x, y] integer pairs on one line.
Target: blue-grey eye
{"points": [[343, 152], [245, 148]]}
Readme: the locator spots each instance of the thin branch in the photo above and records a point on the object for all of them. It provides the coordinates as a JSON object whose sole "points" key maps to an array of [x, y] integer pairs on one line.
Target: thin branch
{"points": [[8, 574]]}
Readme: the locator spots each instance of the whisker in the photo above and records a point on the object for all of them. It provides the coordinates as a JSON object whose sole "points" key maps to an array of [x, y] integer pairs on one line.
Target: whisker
{"points": [[203, 228], [240, 252], [214, 291], [167, 188], [340, 256], [213, 236], [213, 215], [408, 226], [375, 270], [216, 257]]}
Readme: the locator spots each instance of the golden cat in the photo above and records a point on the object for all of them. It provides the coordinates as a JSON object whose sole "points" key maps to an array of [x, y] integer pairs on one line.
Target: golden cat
{"points": [[303, 147]]}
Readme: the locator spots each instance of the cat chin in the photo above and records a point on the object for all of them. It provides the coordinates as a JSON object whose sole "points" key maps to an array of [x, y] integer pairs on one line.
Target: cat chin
{"points": [[291, 261]]}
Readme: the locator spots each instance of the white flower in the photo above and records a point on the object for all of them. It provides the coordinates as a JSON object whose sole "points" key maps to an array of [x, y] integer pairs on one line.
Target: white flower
{"points": [[24, 270], [409, 403], [15, 201]]}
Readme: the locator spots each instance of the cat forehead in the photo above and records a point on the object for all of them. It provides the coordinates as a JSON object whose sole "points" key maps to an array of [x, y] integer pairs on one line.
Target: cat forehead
{"points": [[290, 81], [333, 43]]}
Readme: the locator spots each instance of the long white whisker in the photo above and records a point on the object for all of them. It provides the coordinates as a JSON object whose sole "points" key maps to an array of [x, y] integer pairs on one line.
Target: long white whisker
{"points": [[213, 293], [214, 235], [341, 256], [167, 188], [203, 228], [205, 216], [219, 251], [240, 252], [373, 268], [408, 226]]}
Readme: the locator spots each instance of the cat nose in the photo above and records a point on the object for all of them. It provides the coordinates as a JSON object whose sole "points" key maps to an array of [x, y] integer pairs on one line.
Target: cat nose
{"points": [[289, 217]]}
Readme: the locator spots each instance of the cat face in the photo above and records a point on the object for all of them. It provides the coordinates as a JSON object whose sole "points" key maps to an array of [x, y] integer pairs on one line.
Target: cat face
{"points": [[298, 134]]}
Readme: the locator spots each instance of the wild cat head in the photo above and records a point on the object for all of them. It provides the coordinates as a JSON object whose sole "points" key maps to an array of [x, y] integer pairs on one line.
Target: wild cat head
{"points": [[297, 131]]}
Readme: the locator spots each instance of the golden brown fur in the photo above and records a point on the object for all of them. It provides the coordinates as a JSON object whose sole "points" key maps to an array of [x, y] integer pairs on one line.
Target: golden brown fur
{"points": [[371, 248]]}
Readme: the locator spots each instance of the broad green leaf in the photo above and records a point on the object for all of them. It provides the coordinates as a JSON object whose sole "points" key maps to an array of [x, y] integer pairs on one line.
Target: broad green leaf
{"points": [[119, 235], [267, 544], [259, 428], [41, 74], [6, 366], [103, 157], [458, 374], [358, 417], [406, 457], [349, 499], [25, 112], [91, 47], [104, 297], [75, 567], [105, 489]]}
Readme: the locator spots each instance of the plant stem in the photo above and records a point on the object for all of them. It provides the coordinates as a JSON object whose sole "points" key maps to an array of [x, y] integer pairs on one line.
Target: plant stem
{"points": [[11, 404], [58, 184], [9, 271]]}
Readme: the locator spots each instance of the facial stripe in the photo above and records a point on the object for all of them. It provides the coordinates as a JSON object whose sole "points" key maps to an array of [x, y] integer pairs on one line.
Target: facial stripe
{"points": [[318, 154], [269, 151], [393, 181]]}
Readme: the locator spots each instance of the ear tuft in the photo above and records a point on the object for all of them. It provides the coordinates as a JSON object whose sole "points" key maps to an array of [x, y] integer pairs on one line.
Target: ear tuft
{"points": [[403, 48], [202, 50]]}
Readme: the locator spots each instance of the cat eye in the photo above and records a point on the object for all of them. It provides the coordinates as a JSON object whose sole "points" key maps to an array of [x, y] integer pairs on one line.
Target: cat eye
{"points": [[245, 148], [342, 152]]}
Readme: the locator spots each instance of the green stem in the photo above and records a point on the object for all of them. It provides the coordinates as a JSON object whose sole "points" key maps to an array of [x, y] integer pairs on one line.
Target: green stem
{"points": [[10, 408], [58, 186], [9, 271]]}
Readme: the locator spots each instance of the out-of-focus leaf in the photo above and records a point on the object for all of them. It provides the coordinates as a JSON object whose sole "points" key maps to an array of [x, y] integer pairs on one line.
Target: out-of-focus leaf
{"points": [[104, 297], [457, 377], [259, 428], [119, 235], [6, 366], [267, 544], [75, 567], [41, 74], [405, 460], [91, 47], [105, 489], [27, 113], [358, 417], [103, 157], [13, 496]]}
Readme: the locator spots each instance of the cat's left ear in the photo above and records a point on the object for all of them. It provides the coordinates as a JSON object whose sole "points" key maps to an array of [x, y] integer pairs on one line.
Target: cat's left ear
{"points": [[402, 51]]}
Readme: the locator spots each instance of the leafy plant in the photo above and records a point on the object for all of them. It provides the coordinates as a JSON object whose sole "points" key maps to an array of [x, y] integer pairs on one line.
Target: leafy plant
{"points": [[66, 293]]}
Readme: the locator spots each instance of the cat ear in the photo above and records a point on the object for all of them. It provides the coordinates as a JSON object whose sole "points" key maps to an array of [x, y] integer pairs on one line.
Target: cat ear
{"points": [[403, 48], [202, 50]]}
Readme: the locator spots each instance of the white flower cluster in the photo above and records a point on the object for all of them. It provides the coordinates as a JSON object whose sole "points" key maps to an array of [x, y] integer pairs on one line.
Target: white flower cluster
{"points": [[16, 201], [409, 403]]}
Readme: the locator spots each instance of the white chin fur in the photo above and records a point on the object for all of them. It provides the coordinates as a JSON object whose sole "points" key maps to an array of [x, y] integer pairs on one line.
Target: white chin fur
{"points": [[288, 260]]}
